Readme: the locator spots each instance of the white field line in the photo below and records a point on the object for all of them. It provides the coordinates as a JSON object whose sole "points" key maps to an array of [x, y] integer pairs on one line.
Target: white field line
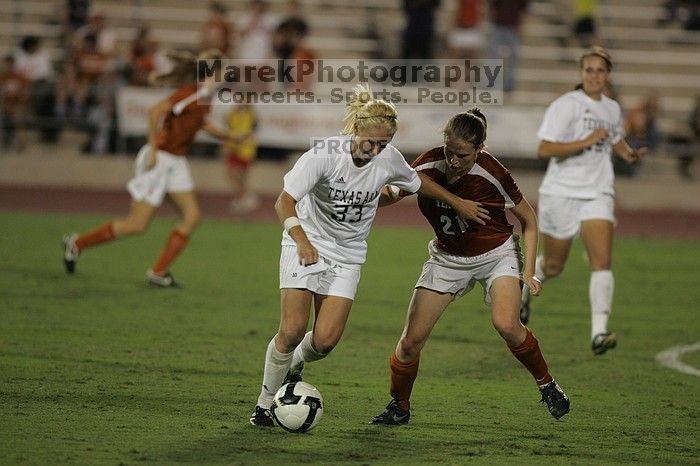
{"points": [[672, 358]]}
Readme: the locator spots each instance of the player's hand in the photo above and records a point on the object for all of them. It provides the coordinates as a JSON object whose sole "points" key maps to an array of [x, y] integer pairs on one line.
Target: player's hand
{"points": [[634, 155], [472, 211], [598, 134], [534, 284], [308, 254], [152, 158]]}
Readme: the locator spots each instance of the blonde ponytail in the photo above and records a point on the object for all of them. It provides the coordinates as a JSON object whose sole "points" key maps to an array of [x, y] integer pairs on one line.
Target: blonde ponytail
{"points": [[363, 112]]}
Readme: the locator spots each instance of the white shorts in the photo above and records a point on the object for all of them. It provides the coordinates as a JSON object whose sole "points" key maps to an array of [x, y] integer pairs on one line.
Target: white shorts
{"points": [[447, 273], [324, 277], [560, 217], [170, 175]]}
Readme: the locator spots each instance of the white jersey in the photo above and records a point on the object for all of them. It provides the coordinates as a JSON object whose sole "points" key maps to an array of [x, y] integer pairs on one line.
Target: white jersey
{"points": [[337, 200], [573, 117]]}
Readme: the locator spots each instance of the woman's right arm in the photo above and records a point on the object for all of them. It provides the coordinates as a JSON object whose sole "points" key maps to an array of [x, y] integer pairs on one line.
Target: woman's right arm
{"points": [[285, 206], [548, 149]]}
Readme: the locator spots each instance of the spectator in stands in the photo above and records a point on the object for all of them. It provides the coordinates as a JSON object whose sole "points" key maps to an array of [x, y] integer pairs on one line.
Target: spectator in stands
{"points": [[75, 16], [14, 90], [466, 39], [91, 66], [640, 124], [34, 62], [144, 58], [290, 45], [240, 151], [255, 28], [105, 36], [584, 27], [507, 18], [290, 26], [686, 160], [418, 36], [217, 31]]}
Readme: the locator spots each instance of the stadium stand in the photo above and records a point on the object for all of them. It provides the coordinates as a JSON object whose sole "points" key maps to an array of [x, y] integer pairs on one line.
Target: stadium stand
{"points": [[649, 56]]}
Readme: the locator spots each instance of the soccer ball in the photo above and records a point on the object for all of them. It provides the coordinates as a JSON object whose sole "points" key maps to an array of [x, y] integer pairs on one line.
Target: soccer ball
{"points": [[297, 406]]}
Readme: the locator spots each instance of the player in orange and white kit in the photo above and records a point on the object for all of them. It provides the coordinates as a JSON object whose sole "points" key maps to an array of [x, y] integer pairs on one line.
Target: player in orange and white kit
{"points": [[162, 170], [464, 253]]}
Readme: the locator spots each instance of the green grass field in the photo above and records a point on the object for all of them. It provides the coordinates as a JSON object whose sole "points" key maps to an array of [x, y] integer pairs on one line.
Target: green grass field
{"points": [[98, 369]]}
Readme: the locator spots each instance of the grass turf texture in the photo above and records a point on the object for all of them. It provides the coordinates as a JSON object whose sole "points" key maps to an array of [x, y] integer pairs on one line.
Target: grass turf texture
{"points": [[96, 368]]}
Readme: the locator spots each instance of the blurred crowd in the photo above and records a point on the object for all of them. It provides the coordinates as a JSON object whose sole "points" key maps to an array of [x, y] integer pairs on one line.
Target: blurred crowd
{"points": [[77, 89]]}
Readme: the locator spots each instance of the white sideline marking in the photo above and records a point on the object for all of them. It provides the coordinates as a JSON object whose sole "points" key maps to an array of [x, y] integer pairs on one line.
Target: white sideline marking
{"points": [[672, 358]]}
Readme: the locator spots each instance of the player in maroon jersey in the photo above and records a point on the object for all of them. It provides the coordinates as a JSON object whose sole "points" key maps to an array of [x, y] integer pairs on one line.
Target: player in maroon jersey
{"points": [[464, 253]]}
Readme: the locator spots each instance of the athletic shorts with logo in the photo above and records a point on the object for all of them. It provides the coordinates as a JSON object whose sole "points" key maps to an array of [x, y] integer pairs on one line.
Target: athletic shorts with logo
{"points": [[447, 273], [325, 277]]}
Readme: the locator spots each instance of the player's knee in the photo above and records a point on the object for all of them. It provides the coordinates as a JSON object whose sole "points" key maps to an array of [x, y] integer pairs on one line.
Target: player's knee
{"points": [[509, 329], [135, 226], [408, 349], [324, 344], [289, 339], [552, 268]]}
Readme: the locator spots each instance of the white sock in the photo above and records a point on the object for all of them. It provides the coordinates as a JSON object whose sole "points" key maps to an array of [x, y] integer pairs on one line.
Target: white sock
{"points": [[276, 367], [600, 292], [539, 274], [305, 352]]}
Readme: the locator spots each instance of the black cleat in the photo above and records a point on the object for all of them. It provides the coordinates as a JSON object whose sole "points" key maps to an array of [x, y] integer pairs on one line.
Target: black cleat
{"points": [[603, 342], [165, 280], [261, 417], [293, 376], [525, 310], [555, 398], [70, 252], [392, 416]]}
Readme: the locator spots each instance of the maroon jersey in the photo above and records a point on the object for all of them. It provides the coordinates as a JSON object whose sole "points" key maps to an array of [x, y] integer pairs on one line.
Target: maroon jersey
{"points": [[489, 183]]}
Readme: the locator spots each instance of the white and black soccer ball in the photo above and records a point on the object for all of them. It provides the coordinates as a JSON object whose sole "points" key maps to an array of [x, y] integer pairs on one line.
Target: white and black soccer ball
{"points": [[297, 407]]}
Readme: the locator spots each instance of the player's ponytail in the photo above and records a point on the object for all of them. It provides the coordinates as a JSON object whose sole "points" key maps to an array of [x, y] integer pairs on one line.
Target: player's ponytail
{"points": [[185, 67], [363, 112], [468, 126]]}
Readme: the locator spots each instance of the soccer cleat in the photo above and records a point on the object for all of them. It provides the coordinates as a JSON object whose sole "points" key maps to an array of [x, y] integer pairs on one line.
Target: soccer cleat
{"points": [[261, 417], [392, 416], [70, 252], [603, 342], [294, 374], [525, 309], [555, 398], [165, 280]]}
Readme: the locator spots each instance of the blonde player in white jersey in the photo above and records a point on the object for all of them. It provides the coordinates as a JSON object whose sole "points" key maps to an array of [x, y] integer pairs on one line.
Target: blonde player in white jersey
{"points": [[580, 131], [329, 200]]}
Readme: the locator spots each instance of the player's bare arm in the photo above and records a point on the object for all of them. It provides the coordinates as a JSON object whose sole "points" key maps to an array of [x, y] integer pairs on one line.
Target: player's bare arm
{"points": [[528, 222], [285, 208], [155, 118], [628, 154], [465, 208], [549, 149]]}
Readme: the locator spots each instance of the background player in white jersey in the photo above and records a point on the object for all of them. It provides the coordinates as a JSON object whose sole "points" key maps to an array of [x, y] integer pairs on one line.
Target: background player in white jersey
{"points": [[327, 206], [579, 132], [462, 254]]}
